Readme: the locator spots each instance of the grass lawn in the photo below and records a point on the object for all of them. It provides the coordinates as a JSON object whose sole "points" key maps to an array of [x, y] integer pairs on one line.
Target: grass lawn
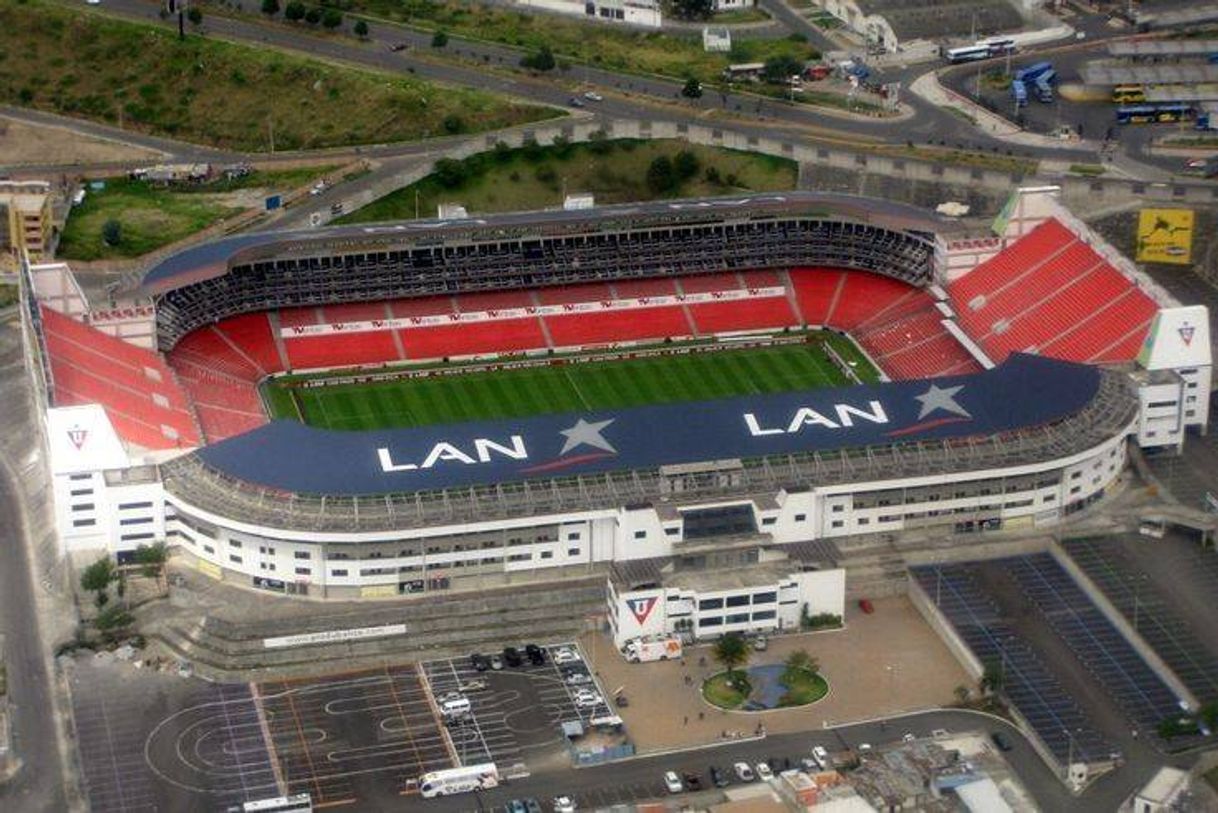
{"points": [[608, 46], [153, 216], [718, 693], [81, 64], [593, 385], [614, 171], [803, 687]]}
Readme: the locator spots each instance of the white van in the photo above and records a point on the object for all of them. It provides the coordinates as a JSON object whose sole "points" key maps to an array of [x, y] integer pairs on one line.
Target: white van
{"points": [[454, 707]]}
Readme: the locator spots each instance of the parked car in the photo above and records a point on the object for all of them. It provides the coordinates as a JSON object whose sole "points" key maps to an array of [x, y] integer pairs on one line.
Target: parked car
{"points": [[496, 663], [760, 643], [564, 804], [743, 772], [578, 678], [809, 765], [532, 805], [673, 782], [575, 101], [821, 755], [593, 96], [866, 606], [398, 46], [864, 748], [692, 780], [1001, 740], [537, 655], [588, 700], [479, 662], [565, 655], [511, 656], [763, 772], [516, 806], [719, 778], [473, 685]]}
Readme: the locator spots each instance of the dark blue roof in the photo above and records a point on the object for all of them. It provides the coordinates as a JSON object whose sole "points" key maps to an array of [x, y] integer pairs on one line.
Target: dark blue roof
{"points": [[1023, 392]]}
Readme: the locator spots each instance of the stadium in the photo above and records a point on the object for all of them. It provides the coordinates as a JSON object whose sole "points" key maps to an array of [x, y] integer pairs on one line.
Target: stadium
{"points": [[444, 405]]}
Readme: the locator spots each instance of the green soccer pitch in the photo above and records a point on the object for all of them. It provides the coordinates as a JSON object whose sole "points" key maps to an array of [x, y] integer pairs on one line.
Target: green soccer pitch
{"points": [[563, 387]]}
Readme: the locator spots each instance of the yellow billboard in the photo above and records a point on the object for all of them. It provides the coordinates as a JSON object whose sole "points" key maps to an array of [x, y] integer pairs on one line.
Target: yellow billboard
{"points": [[1165, 236]]}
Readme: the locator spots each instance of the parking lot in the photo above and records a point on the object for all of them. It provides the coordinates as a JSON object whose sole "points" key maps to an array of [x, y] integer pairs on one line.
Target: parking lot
{"points": [[516, 712]]}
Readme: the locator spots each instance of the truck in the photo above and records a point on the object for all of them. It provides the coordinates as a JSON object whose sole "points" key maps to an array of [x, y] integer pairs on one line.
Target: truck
{"points": [[640, 650], [459, 780], [1019, 92], [1033, 72], [1044, 86]]}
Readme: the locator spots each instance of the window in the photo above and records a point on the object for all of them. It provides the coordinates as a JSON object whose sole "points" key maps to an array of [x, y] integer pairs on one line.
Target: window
{"points": [[573, 536], [234, 543], [769, 520], [83, 506], [573, 551], [710, 604], [303, 571], [134, 537], [837, 523], [738, 618], [80, 476], [765, 598], [519, 557], [672, 531], [801, 517], [764, 615], [209, 549], [135, 521], [714, 621], [131, 506], [864, 521], [234, 558], [83, 523], [547, 554], [737, 601], [640, 534], [81, 492], [303, 554], [837, 509]]}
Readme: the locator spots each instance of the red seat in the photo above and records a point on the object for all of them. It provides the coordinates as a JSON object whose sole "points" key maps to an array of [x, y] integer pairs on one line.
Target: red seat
{"points": [[816, 292], [743, 314], [473, 338], [341, 349], [630, 325], [251, 334]]}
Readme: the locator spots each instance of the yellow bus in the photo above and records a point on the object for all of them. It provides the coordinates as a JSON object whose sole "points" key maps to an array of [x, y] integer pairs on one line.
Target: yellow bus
{"points": [[1125, 94]]}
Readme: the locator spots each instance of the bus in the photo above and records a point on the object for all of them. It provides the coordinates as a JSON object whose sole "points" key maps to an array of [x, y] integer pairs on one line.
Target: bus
{"points": [[743, 70], [1153, 113], [459, 780], [1128, 94], [983, 49], [296, 803]]}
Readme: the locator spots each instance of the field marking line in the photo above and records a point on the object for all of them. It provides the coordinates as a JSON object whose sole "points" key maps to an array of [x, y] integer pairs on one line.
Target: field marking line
{"points": [[421, 673], [307, 755], [270, 741], [578, 393]]}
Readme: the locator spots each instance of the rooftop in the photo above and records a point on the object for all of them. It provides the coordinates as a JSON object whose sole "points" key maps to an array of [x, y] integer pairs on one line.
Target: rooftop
{"points": [[935, 19]]}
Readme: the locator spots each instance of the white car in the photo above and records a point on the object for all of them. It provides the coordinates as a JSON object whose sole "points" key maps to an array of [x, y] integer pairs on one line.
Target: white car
{"points": [[763, 772], [821, 755], [743, 772], [593, 96], [93, 2], [588, 701], [673, 782], [579, 678], [561, 656], [864, 747], [564, 804]]}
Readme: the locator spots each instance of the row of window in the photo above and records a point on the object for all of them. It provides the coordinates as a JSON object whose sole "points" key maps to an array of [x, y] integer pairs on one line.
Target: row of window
{"points": [[737, 601], [737, 618]]}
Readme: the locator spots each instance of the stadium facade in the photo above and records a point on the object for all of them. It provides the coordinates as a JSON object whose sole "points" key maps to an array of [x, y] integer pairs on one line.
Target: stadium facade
{"points": [[1020, 442]]}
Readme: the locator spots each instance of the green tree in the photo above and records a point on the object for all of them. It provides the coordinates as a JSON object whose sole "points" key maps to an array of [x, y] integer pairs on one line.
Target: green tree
{"points": [[599, 143], [731, 651], [502, 152], [661, 175], [439, 39], [686, 165], [295, 11], [98, 576], [454, 124], [112, 232], [993, 677], [313, 16], [692, 89], [799, 660], [151, 559], [693, 9], [361, 29], [450, 172], [113, 620], [270, 7], [331, 18], [195, 15], [540, 60], [779, 69]]}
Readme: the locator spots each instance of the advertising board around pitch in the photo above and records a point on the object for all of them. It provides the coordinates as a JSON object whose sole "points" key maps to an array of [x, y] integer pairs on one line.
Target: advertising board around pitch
{"points": [[1165, 236]]}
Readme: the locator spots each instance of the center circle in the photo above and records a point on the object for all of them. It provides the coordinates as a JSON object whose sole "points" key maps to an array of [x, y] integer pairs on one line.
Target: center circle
{"points": [[764, 687]]}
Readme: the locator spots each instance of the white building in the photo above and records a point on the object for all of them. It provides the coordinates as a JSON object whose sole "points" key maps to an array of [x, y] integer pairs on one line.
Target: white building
{"points": [[645, 13]]}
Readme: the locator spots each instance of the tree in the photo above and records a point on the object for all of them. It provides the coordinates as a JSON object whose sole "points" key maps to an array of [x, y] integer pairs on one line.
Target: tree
{"points": [[692, 89], [112, 232], [731, 651], [331, 18], [152, 559], [693, 9], [661, 175], [686, 165], [962, 694], [450, 172], [270, 7], [113, 620], [439, 39], [599, 143], [801, 660], [295, 11], [779, 69], [993, 677], [195, 15], [540, 60], [361, 29], [313, 16]]}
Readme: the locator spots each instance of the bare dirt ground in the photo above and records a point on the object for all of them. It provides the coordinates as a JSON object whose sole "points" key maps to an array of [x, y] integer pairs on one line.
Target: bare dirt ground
{"points": [[879, 665], [25, 144]]}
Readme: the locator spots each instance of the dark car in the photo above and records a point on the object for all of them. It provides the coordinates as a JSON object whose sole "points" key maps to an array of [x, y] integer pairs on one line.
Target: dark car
{"points": [[719, 778], [1000, 739], [511, 656], [479, 662], [398, 46], [515, 806], [692, 780], [537, 655], [532, 805]]}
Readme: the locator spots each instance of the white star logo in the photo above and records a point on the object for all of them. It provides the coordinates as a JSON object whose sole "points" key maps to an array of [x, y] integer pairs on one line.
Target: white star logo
{"points": [[587, 434], [943, 398]]}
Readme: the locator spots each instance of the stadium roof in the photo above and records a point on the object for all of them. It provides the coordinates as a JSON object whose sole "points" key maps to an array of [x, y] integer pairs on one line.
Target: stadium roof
{"points": [[1137, 48], [290, 457], [1108, 73], [212, 259]]}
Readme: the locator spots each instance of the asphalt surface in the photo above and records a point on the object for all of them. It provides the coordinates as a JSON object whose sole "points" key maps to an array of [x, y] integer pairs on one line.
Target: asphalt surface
{"points": [[38, 785]]}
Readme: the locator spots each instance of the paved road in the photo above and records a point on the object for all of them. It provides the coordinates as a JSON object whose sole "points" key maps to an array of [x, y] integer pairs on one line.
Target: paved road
{"points": [[601, 784], [38, 786]]}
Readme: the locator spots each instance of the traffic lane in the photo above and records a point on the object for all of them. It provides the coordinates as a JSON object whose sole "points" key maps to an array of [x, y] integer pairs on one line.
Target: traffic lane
{"points": [[1046, 789], [39, 784]]}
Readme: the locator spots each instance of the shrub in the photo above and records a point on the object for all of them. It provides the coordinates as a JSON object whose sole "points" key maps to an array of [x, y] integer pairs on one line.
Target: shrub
{"points": [[454, 124], [361, 29], [270, 7], [313, 16], [439, 39], [295, 11], [331, 18], [112, 232], [661, 175]]}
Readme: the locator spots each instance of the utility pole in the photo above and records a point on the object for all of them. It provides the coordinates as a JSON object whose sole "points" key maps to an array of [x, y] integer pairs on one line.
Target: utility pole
{"points": [[270, 126]]}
